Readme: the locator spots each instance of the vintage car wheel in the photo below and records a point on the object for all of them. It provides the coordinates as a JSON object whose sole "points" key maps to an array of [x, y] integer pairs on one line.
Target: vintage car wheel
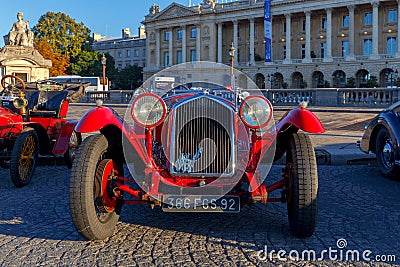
{"points": [[74, 141], [302, 185], [24, 157], [93, 212], [385, 147]]}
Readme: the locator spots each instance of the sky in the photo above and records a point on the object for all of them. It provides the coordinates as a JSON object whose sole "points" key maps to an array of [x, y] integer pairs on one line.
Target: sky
{"points": [[101, 16]]}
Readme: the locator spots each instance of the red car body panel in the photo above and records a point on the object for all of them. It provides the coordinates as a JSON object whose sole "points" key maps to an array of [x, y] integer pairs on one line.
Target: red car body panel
{"points": [[303, 119], [61, 145], [96, 119]]}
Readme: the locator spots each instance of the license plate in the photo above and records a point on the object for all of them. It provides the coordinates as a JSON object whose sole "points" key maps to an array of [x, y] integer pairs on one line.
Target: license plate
{"points": [[178, 203]]}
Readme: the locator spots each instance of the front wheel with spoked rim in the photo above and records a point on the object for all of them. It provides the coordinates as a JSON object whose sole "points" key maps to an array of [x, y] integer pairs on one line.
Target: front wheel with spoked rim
{"points": [[24, 157], [94, 207], [385, 154]]}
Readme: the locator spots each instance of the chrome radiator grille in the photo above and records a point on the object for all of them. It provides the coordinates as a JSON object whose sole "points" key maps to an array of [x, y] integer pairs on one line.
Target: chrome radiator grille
{"points": [[203, 140]]}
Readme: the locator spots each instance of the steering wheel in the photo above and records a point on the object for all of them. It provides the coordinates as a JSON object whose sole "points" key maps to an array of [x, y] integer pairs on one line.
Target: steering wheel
{"points": [[11, 82]]}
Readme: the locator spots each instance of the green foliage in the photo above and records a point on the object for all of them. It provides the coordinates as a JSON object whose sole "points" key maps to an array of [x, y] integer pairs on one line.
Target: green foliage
{"points": [[351, 82], [84, 64], [257, 57], [62, 32], [372, 82], [128, 78]]}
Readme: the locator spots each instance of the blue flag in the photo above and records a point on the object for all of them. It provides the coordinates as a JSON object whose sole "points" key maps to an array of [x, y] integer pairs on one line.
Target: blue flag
{"points": [[268, 30]]}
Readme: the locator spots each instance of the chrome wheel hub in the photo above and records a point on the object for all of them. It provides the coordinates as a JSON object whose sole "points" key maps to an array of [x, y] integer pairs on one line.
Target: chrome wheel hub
{"points": [[388, 153]]}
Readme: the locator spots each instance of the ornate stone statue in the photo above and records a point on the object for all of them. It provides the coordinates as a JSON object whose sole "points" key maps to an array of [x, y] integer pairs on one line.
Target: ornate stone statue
{"points": [[154, 9], [20, 34]]}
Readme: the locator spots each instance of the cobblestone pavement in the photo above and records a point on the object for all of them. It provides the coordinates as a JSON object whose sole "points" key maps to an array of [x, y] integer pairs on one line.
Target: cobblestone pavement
{"points": [[355, 204]]}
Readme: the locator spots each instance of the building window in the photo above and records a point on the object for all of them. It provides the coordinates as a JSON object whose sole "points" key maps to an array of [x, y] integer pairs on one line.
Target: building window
{"points": [[193, 55], [128, 53], [166, 58], [303, 28], [303, 50], [284, 52], [323, 49], [193, 33], [346, 21], [368, 18], [284, 26], [166, 36], [391, 45], [367, 49], [136, 53], [392, 15], [324, 24], [119, 54], [179, 34], [179, 56], [345, 48]]}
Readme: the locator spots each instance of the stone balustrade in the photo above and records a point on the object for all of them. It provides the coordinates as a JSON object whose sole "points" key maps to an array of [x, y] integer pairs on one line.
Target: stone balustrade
{"points": [[333, 97]]}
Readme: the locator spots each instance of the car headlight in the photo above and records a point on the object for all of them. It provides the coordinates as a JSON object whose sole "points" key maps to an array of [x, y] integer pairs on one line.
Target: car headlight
{"points": [[20, 102], [256, 112], [148, 110]]}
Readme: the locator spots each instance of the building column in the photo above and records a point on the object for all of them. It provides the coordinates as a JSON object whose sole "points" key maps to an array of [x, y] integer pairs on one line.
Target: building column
{"points": [[184, 44], [235, 40], [398, 29], [375, 30], [328, 57], [170, 61], [198, 44], [288, 39], [307, 57], [219, 42], [251, 53], [350, 55], [158, 46]]}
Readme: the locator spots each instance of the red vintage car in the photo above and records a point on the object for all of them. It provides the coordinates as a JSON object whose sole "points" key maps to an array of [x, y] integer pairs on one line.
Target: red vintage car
{"points": [[193, 149], [33, 123]]}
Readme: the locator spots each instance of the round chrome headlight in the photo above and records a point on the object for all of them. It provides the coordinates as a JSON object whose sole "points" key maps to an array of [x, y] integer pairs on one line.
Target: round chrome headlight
{"points": [[20, 102], [256, 112], [148, 110]]}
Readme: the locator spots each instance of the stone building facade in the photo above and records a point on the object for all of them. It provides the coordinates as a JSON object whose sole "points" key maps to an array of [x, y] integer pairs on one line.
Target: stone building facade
{"points": [[126, 50], [323, 43]]}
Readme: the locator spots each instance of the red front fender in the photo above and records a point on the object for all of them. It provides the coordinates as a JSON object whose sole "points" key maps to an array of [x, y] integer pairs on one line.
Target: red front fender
{"points": [[96, 119], [61, 145], [303, 119]]}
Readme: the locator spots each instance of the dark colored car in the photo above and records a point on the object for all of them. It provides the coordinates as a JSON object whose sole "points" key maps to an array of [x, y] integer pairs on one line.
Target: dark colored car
{"points": [[32, 123], [382, 137]]}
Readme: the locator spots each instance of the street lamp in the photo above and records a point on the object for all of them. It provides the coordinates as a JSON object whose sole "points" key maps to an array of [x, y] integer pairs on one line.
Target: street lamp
{"points": [[103, 63], [232, 51]]}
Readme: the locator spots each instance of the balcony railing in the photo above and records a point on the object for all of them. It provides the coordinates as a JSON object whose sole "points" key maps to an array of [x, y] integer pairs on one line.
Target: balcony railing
{"points": [[333, 97]]}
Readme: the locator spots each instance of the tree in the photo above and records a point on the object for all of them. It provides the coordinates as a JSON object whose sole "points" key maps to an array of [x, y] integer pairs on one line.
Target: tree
{"points": [[129, 78], [63, 33], [60, 62], [84, 64], [372, 82]]}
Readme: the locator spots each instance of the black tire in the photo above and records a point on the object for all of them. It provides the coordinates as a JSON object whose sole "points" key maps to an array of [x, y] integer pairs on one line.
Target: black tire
{"points": [[89, 219], [385, 156], [74, 141], [24, 157], [302, 185]]}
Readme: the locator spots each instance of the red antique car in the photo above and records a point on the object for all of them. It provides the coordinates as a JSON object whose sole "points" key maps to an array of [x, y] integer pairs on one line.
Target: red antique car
{"points": [[33, 123], [193, 149]]}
